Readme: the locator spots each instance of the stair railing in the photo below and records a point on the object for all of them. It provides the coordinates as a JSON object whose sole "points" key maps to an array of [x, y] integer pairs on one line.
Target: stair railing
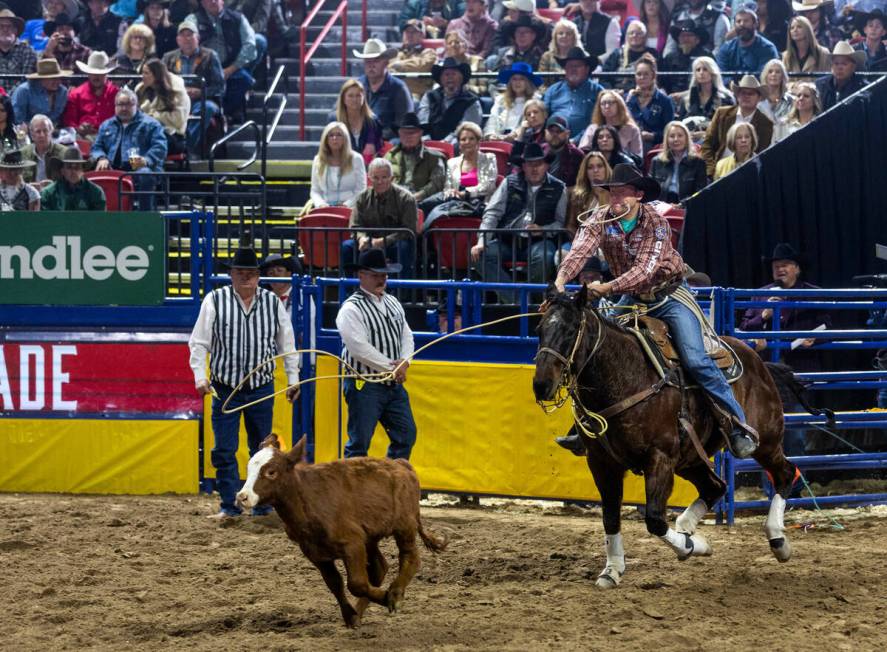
{"points": [[340, 11], [268, 132]]}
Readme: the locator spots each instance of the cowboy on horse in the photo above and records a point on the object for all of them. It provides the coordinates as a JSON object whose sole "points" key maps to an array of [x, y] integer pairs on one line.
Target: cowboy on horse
{"points": [[636, 242]]}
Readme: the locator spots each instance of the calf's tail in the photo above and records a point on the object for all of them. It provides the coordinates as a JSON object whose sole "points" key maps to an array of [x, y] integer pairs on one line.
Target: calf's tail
{"points": [[786, 382], [433, 542]]}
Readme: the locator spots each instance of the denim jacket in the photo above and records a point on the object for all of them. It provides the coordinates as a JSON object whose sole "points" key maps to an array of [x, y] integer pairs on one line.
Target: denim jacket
{"points": [[31, 98], [144, 133]]}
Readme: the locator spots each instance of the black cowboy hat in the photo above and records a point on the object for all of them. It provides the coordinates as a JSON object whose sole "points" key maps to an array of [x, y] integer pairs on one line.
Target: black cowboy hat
{"points": [[785, 251], [450, 64], [62, 20], [12, 160], [860, 18], [509, 27], [373, 260], [689, 25], [578, 54], [244, 256], [410, 121], [141, 5], [292, 265], [629, 175], [534, 152]]}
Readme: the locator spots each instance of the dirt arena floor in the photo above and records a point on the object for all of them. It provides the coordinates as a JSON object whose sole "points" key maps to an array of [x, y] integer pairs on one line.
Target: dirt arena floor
{"points": [[152, 573]]}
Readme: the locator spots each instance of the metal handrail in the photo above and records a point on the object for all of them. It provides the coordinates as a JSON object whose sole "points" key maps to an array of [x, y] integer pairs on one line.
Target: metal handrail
{"points": [[229, 136], [304, 57], [268, 134]]}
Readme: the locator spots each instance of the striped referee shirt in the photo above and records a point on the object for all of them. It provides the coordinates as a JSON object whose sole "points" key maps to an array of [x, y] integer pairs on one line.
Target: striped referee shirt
{"points": [[374, 332], [238, 340]]}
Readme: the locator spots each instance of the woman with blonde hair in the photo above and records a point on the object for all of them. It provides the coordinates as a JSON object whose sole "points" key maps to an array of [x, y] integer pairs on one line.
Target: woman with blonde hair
{"points": [[532, 127], [776, 101], [677, 168], [352, 110], [587, 195], [803, 53], [508, 109], [136, 47], [610, 110], [742, 140], [625, 58], [338, 173], [807, 106], [706, 95], [564, 36]]}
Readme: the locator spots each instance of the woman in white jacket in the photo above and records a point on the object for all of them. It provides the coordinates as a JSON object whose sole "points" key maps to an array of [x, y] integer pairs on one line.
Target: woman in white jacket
{"points": [[338, 173], [162, 96], [508, 109]]}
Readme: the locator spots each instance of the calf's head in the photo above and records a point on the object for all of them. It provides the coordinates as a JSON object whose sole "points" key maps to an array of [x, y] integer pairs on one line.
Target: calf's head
{"points": [[267, 470]]}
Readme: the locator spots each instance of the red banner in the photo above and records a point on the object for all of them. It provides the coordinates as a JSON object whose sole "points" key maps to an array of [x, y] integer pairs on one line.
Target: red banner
{"points": [[97, 378]]}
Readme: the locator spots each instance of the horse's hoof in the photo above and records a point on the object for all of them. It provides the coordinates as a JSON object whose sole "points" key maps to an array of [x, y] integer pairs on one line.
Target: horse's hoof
{"points": [[781, 549], [701, 546], [352, 621], [608, 579], [393, 600]]}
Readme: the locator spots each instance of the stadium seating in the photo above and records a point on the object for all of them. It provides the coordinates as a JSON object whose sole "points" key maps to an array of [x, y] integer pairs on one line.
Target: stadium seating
{"points": [[502, 151], [118, 191]]}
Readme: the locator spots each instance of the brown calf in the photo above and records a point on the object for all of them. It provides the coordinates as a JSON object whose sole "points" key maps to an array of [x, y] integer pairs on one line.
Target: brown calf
{"points": [[341, 510]]}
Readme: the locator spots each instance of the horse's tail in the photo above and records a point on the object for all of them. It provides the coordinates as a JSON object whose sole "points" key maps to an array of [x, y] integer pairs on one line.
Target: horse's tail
{"points": [[786, 381]]}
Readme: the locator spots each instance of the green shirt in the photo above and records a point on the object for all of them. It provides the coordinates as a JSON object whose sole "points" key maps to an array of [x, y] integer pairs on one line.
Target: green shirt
{"points": [[61, 196]]}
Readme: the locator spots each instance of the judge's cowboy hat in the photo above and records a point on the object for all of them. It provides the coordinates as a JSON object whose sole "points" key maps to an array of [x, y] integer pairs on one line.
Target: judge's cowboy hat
{"points": [[519, 68], [628, 175], [748, 82], [49, 69], [290, 264], [373, 260], [844, 49], [509, 27], [99, 63], [577, 54], [244, 256], [691, 26], [373, 49], [6, 14], [450, 64], [784, 251], [12, 160]]}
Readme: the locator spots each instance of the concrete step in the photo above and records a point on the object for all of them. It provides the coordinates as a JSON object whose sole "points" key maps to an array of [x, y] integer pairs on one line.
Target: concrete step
{"points": [[375, 17], [312, 101], [285, 151], [290, 118]]}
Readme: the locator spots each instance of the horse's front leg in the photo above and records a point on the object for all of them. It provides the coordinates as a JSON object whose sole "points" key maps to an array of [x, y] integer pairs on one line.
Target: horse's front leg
{"points": [[608, 477], [659, 480]]}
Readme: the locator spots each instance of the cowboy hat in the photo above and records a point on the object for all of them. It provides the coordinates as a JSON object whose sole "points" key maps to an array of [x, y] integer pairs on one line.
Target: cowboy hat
{"points": [[99, 63], [415, 24], [629, 175], [534, 152], [244, 256], [860, 18], [450, 64], [844, 49], [292, 265], [689, 25], [509, 27], [577, 54], [62, 20], [809, 5], [18, 22], [71, 8], [784, 251], [409, 121], [748, 82], [141, 5], [527, 6], [71, 156], [519, 68], [12, 160], [49, 69], [373, 49], [373, 260]]}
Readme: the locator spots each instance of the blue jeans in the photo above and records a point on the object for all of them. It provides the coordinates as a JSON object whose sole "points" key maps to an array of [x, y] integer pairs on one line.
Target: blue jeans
{"points": [[193, 129], [686, 334], [402, 251], [539, 256], [376, 403], [236, 88], [226, 428]]}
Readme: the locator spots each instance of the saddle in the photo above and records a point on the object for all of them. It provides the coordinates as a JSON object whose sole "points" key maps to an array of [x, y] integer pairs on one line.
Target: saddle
{"points": [[656, 342]]}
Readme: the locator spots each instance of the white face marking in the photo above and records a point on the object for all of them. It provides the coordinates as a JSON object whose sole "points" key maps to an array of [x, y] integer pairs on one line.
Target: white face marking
{"points": [[246, 497]]}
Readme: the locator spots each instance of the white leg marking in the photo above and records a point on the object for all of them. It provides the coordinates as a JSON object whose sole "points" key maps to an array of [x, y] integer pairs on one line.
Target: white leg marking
{"points": [[774, 528], [612, 573], [686, 545], [690, 517]]}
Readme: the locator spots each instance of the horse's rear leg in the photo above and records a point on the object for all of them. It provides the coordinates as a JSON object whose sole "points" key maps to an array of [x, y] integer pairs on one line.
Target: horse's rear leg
{"points": [[783, 474], [608, 476], [710, 488], [659, 480]]}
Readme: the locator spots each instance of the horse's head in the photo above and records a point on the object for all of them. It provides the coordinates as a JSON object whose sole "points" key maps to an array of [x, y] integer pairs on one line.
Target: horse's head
{"points": [[558, 333]]}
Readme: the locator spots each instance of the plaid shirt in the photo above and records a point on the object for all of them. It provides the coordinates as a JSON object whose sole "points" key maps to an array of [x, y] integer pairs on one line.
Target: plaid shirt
{"points": [[641, 261], [19, 60], [78, 52]]}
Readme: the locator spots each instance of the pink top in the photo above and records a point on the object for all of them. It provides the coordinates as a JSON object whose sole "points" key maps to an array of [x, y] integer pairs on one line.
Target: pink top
{"points": [[469, 179]]}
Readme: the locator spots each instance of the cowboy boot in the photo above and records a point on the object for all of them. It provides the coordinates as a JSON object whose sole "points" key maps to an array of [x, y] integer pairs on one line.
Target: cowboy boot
{"points": [[743, 440], [572, 442]]}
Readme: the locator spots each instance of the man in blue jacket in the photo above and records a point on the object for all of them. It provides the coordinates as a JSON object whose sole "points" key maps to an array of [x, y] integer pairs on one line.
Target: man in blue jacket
{"points": [[133, 142], [575, 96], [749, 51]]}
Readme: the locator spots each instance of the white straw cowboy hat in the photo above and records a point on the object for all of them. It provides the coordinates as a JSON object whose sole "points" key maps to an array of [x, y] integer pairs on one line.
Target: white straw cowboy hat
{"points": [[18, 22], [99, 63], [520, 5], [809, 5], [844, 49], [49, 69], [373, 49], [749, 82]]}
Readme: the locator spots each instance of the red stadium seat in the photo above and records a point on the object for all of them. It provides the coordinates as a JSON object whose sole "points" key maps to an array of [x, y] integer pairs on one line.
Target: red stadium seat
{"points": [[649, 156], [452, 248], [321, 247], [386, 147], [420, 221], [338, 211], [502, 151], [553, 15], [84, 146], [118, 191], [433, 43], [441, 146]]}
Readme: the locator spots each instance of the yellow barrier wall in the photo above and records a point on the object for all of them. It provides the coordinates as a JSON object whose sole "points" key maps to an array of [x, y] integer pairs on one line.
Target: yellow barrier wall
{"points": [[99, 456], [480, 431]]}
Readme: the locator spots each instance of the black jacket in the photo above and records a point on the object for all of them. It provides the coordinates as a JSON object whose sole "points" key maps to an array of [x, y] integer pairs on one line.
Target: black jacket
{"points": [[102, 36], [691, 177], [677, 61], [829, 93]]}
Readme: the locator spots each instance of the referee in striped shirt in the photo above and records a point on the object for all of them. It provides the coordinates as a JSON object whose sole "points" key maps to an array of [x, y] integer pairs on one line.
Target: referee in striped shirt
{"points": [[240, 326], [376, 337]]}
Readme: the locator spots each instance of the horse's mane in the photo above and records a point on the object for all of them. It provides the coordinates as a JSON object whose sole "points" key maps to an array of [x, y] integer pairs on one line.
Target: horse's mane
{"points": [[564, 300]]}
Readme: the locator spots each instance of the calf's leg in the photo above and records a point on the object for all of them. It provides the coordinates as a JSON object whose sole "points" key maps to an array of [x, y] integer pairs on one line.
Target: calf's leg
{"points": [[408, 562], [334, 581], [377, 568], [358, 578]]}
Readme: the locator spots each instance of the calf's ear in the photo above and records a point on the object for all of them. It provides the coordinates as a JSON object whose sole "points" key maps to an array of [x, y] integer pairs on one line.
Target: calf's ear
{"points": [[296, 455], [271, 441]]}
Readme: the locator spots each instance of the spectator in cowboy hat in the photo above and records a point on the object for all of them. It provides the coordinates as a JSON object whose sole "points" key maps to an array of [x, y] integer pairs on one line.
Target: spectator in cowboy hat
{"points": [[843, 82], [35, 34], [692, 40], [749, 51], [477, 26], [710, 16], [575, 96], [16, 56], [155, 14], [443, 108], [873, 24], [63, 44], [435, 15], [43, 93], [15, 194], [414, 57], [520, 84], [532, 200], [525, 37], [73, 191], [388, 97], [40, 150], [748, 93], [415, 167], [99, 28], [92, 102]]}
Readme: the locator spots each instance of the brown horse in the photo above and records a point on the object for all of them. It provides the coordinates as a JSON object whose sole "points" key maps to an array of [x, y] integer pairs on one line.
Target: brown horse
{"points": [[608, 366]]}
